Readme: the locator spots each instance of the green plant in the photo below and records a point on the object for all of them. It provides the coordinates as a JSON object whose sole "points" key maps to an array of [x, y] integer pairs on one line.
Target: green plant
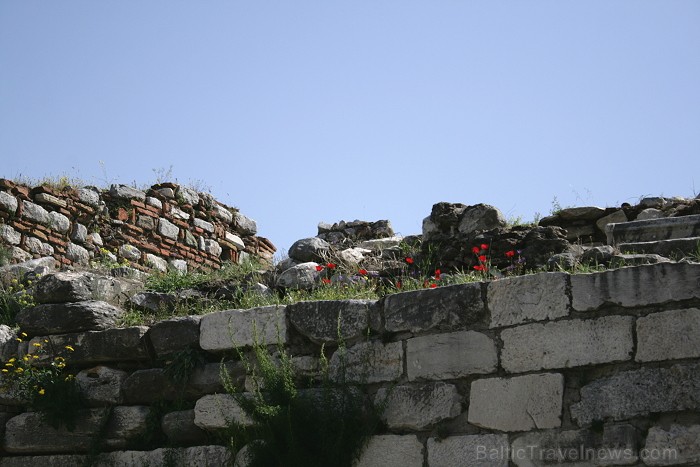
{"points": [[5, 255], [13, 298], [44, 383]]}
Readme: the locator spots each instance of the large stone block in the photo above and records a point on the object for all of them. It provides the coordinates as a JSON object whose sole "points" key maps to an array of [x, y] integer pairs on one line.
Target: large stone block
{"points": [[225, 330], [244, 225], [445, 308], [126, 425], [56, 460], [218, 411], [327, 322], [392, 451], [57, 318], [126, 192], [62, 287], [101, 385], [654, 229], [535, 297], [180, 429], [417, 407], [469, 450], [668, 335], [8, 203], [521, 403], [450, 355], [35, 213], [677, 445], [636, 286], [138, 387], [168, 229], [368, 362], [175, 334], [638, 393], [567, 344]]}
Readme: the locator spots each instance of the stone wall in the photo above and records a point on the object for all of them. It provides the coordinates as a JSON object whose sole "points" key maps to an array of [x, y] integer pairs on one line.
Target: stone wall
{"points": [[576, 369], [165, 226]]}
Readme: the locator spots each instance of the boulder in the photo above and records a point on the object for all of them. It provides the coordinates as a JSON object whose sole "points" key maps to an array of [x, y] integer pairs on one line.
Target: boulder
{"points": [[301, 276], [63, 287], [309, 249], [480, 217], [101, 385], [60, 318]]}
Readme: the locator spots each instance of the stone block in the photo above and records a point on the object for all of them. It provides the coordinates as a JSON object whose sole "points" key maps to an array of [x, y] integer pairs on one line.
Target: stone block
{"points": [[175, 334], [244, 225], [180, 429], [225, 330], [636, 286], [204, 225], [392, 451], [101, 385], [77, 254], [368, 362], [138, 387], [59, 222], [668, 335], [235, 240], [187, 196], [419, 406], [638, 393], [300, 276], [89, 196], [450, 355], [328, 321], [126, 192], [469, 450], [444, 308], [10, 235], [567, 344], [677, 445], [613, 218], [223, 214], [126, 425], [651, 230], [217, 411], [168, 229], [61, 318], [156, 262], [79, 233], [535, 297], [8, 203], [35, 213], [129, 252], [522, 403], [62, 287]]}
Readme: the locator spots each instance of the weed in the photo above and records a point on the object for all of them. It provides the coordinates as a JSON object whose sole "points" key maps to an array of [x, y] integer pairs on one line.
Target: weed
{"points": [[13, 298], [5, 255]]}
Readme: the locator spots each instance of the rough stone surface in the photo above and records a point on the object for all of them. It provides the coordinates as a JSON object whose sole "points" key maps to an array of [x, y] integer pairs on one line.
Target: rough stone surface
{"points": [[77, 254], [126, 192], [175, 334], [58, 318], [125, 426], [62, 287], [235, 240], [138, 388], [8, 344], [616, 445], [36, 266], [378, 244], [59, 222], [614, 218], [567, 344], [392, 451], [187, 195], [654, 229], [650, 213], [178, 265], [79, 234], [129, 252], [301, 276], [225, 330], [155, 202], [368, 362], [443, 308], [217, 411], [168, 229], [639, 392], [480, 217], [156, 262], [534, 297], [180, 429], [212, 247], [8, 203], [677, 445], [101, 385], [450, 355], [420, 406], [309, 249], [469, 450], [521, 403], [668, 335], [244, 225], [10, 235], [204, 225], [89, 196], [676, 247], [598, 255], [636, 286], [323, 321], [35, 213]]}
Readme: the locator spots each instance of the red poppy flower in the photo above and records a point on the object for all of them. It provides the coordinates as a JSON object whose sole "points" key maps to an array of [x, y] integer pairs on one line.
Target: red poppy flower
{"points": [[330, 266], [362, 272], [433, 285], [398, 284], [475, 250], [484, 246], [482, 258], [319, 268], [480, 267], [510, 254], [437, 274], [326, 280], [409, 260]]}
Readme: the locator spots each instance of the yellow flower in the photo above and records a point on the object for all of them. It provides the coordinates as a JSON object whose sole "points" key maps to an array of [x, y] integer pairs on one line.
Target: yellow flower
{"points": [[5, 370], [25, 358], [41, 392], [11, 360], [19, 370], [68, 347], [24, 334], [36, 344], [18, 339], [35, 356], [46, 341], [9, 364]]}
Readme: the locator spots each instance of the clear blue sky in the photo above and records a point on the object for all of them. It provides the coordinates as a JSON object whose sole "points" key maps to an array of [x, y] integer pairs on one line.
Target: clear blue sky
{"points": [[304, 111]]}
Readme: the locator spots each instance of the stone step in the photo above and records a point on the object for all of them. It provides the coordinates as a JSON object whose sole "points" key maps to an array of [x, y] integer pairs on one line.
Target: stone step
{"points": [[675, 248], [652, 230]]}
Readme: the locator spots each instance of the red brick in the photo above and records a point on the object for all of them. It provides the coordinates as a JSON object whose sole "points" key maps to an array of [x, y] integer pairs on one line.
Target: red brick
{"points": [[40, 235], [21, 192], [57, 241], [122, 215], [133, 229], [137, 204], [153, 209], [198, 230], [146, 212], [180, 223]]}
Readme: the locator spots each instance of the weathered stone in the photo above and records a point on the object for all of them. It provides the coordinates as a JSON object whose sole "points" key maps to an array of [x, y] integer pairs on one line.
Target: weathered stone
{"points": [[187, 195], [178, 213], [59, 222], [653, 201], [125, 426], [206, 379], [129, 252], [301, 276], [521, 403], [614, 218], [19, 255], [8, 343], [89, 196], [535, 297], [638, 393], [126, 192], [212, 247], [168, 229], [8, 203], [101, 385], [138, 387], [598, 255], [676, 247], [180, 429], [616, 445], [204, 225], [29, 433], [417, 407], [584, 213], [153, 301], [244, 225], [36, 266], [378, 244], [34, 212], [96, 239], [326, 322], [175, 334], [621, 261], [218, 411], [471, 450], [444, 308], [223, 214], [93, 347], [225, 330], [9, 235], [668, 335], [480, 217], [677, 445], [178, 265], [654, 229], [156, 262], [33, 245], [58, 318], [450, 355], [77, 254], [567, 344], [367, 362], [650, 213], [636, 286], [561, 261], [79, 233], [166, 192], [55, 460], [309, 249], [62, 287], [353, 255], [155, 202], [235, 239], [392, 451]]}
